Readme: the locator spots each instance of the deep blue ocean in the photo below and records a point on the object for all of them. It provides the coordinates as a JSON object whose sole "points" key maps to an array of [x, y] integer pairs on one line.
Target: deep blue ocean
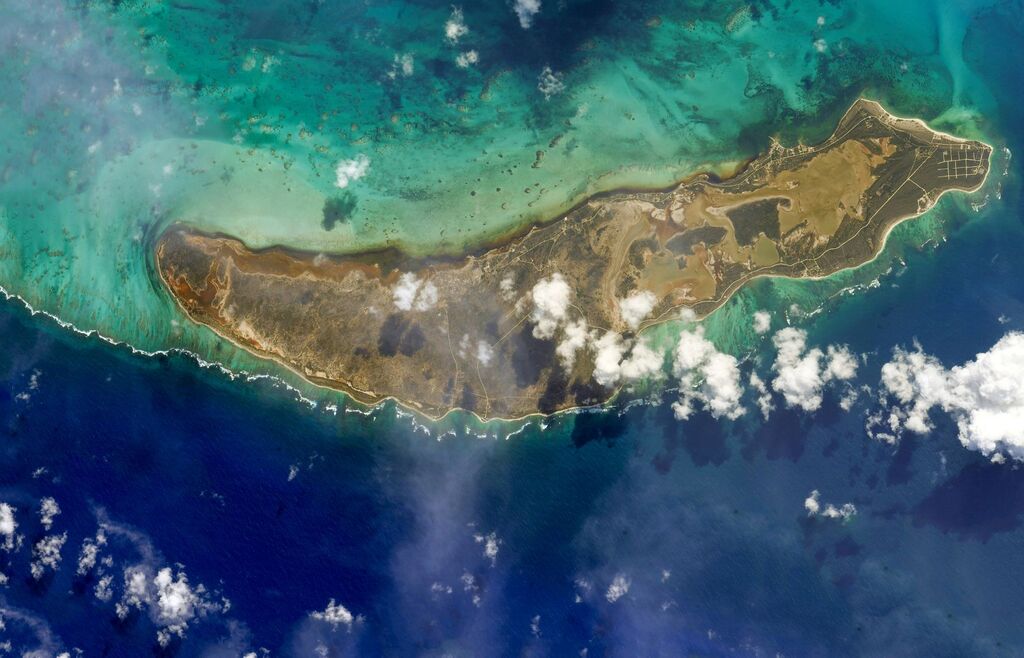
{"points": [[623, 532]]}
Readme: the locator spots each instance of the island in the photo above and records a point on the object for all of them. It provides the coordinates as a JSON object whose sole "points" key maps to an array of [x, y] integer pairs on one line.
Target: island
{"points": [[553, 317]]}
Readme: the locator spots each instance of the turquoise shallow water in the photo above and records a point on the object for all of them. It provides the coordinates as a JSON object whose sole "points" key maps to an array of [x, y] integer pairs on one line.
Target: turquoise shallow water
{"points": [[119, 119]]}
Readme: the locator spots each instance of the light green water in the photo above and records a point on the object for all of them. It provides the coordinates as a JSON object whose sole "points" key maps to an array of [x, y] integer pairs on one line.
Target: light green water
{"points": [[118, 121]]}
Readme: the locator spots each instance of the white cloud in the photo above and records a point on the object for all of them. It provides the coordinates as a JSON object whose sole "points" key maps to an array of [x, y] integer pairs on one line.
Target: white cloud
{"points": [[403, 64], [813, 503], [608, 354], [455, 27], [9, 527], [411, 292], [427, 297], [984, 396], [334, 614], [104, 590], [800, 374], [636, 307], [48, 509], [484, 352], [813, 506], [46, 554], [575, 339], [840, 364], [507, 286], [619, 588], [642, 362], [175, 600], [172, 603], [90, 552], [526, 10], [351, 170], [764, 397], [491, 545], [551, 298], [706, 376], [550, 83], [762, 322], [466, 59], [404, 292], [615, 360]]}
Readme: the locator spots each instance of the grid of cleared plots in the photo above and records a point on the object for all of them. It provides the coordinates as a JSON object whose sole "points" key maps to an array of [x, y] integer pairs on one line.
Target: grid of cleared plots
{"points": [[960, 162]]}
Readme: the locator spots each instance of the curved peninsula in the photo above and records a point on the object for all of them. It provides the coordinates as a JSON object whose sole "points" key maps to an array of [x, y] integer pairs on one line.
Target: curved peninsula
{"points": [[518, 328]]}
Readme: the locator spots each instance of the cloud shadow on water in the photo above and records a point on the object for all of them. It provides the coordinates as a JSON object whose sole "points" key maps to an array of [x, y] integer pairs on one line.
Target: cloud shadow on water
{"points": [[980, 501]]}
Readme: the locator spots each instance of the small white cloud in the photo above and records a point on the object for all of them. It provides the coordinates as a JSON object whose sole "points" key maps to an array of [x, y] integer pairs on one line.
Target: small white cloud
{"points": [[762, 322], [642, 362], [820, 45], [8, 527], [491, 545], [550, 83], [484, 352], [404, 292], [90, 552], [412, 293], [466, 59], [46, 554], [706, 376], [618, 588], [48, 509], [168, 598], [334, 614], [616, 360], [551, 297], [764, 397], [175, 601], [984, 396], [526, 10], [104, 590], [608, 351], [575, 338], [455, 27], [635, 308], [403, 65], [351, 170], [814, 508], [801, 375], [427, 297], [813, 503], [507, 287]]}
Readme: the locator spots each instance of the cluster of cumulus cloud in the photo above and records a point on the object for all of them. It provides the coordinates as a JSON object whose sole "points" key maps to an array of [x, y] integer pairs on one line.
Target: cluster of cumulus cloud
{"points": [[707, 378], [616, 358], [126, 571], [814, 508], [147, 585], [985, 396]]}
